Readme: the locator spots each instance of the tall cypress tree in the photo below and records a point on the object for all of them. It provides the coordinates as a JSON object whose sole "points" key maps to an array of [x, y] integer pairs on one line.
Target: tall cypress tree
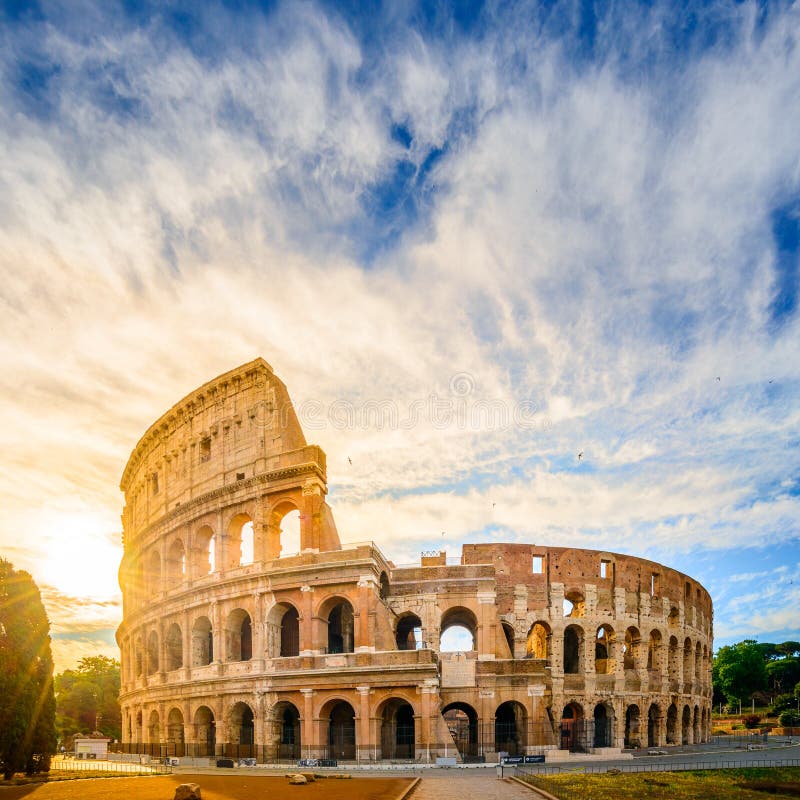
{"points": [[27, 702]]}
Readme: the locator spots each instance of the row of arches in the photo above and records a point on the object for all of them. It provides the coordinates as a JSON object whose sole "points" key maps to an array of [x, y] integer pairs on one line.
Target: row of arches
{"points": [[204, 554]]}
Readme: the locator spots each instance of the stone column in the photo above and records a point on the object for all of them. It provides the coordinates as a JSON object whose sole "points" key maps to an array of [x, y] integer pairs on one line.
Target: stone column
{"points": [[486, 626], [187, 645], [365, 748], [257, 664], [308, 735], [366, 609], [308, 646], [539, 721]]}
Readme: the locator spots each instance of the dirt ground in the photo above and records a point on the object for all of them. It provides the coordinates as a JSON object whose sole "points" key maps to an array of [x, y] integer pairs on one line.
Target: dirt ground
{"points": [[213, 787]]}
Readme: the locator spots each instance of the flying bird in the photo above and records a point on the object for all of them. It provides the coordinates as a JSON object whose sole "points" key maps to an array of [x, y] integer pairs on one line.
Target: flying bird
{"points": [[350, 461], [717, 377], [580, 455]]}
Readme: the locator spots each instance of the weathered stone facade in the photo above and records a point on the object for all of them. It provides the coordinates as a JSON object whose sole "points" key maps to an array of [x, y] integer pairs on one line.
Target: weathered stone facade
{"points": [[228, 647]]}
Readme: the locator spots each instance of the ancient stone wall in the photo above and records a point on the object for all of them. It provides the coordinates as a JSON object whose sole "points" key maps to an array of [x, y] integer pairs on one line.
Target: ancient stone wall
{"points": [[232, 645]]}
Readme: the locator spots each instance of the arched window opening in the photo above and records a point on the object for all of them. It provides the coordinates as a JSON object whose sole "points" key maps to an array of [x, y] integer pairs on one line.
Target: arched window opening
{"points": [[247, 555], [242, 730], [688, 660], [409, 633], [686, 724], [175, 733], [674, 665], [653, 726], [239, 636], [510, 728], [604, 656], [290, 534], [176, 563], [462, 722], [202, 642], [698, 661], [205, 731], [574, 604], [174, 644], [573, 640], [603, 726], [508, 631], [202, 555], [574, 731], [672, 725], [154, 728], [674, 617], [290, 633], [139, 657], [342, 731], [654, 651], [458, 630], [287, 719], [139, 729], [538, 643], [632, 654], [340, 628], [397, 730], [152, 653], [632, 735], [238, 528]]}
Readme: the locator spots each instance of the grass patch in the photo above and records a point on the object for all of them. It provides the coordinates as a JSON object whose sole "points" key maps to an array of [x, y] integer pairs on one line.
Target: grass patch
{"points": [[753, 783]]}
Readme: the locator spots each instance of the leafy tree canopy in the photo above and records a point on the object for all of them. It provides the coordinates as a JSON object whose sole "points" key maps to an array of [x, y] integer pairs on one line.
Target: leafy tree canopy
{"points": [[27, 703], [88, 698], [739, 670]]}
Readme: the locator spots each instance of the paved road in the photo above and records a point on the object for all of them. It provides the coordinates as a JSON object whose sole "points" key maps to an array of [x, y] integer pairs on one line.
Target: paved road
{"points": [[469, 785]]}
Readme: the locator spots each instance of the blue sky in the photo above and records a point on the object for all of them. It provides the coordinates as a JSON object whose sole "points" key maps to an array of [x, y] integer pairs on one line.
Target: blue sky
{"points": [[474, 239]]}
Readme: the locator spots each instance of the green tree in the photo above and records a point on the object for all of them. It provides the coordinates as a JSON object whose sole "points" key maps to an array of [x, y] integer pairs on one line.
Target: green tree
{"points": [[739, 670], [783, 674], [27, 703], [87, 698]]}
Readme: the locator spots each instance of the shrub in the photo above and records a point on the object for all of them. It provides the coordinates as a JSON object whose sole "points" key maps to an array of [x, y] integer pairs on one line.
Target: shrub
{"points": [[790, 718], [751, 721], [783, 702]]}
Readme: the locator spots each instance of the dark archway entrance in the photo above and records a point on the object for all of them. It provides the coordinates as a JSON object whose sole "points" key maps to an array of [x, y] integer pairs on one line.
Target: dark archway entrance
{"points": [[509, 729], [397, 730], [462, 722], [342, 731]]}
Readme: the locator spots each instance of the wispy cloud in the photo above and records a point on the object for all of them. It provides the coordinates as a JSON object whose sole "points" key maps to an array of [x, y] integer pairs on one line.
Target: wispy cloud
{"points": [[577, 217]]}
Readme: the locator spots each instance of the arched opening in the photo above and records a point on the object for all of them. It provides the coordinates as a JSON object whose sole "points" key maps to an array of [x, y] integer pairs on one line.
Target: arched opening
{"points": [[458, 630], [654, 651], [240, 528], [672, 725], [202, 642], [153, 581], [632, 735], [604, 647], [603, 726], [341, 731], [573, 649], [673, 618], [538, 642], [397, 730], [508, 632], [174, 647], [203, 558], [462, 722], [574, 603], [632, 651], [290, 633], [510, 728], [152, 653], [340, 628], [688, 660], [139, 656], [674, 665], [139, 728], [408, 634], [686, 725], [698, 662], [383, 590], [696, 725], [290, 534], [154, 728], [653, 726], [176, 563], [239, 636], [241, 733], [175, 735], [205, 731], [287, 718], [573, 729]]}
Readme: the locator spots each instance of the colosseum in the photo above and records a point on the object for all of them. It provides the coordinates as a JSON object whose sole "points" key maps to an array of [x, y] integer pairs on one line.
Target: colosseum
{"points": [[231, 646]]}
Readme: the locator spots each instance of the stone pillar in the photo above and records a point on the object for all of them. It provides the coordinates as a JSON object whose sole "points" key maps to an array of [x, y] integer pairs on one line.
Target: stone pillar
{"points": [[365, 748], [307, 644], [217, 633], [187, 645], [366, 611], [257, 664], [308, 736], [540, 735], [426, 697], [487, 612]]}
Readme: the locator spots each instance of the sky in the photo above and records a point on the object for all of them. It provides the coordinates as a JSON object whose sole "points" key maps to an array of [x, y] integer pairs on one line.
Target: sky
{"points": [[475, 240]]}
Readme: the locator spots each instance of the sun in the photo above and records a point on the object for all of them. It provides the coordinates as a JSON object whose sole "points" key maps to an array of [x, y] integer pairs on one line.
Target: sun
{"points": [[78, 557]]}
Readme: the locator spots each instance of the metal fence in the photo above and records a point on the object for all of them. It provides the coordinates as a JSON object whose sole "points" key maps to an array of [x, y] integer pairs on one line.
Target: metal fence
{"points": [[66, 765]]}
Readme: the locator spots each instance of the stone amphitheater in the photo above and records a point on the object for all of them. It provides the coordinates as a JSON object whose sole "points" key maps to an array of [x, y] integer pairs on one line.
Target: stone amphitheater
{"points": [[233, 647]]}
